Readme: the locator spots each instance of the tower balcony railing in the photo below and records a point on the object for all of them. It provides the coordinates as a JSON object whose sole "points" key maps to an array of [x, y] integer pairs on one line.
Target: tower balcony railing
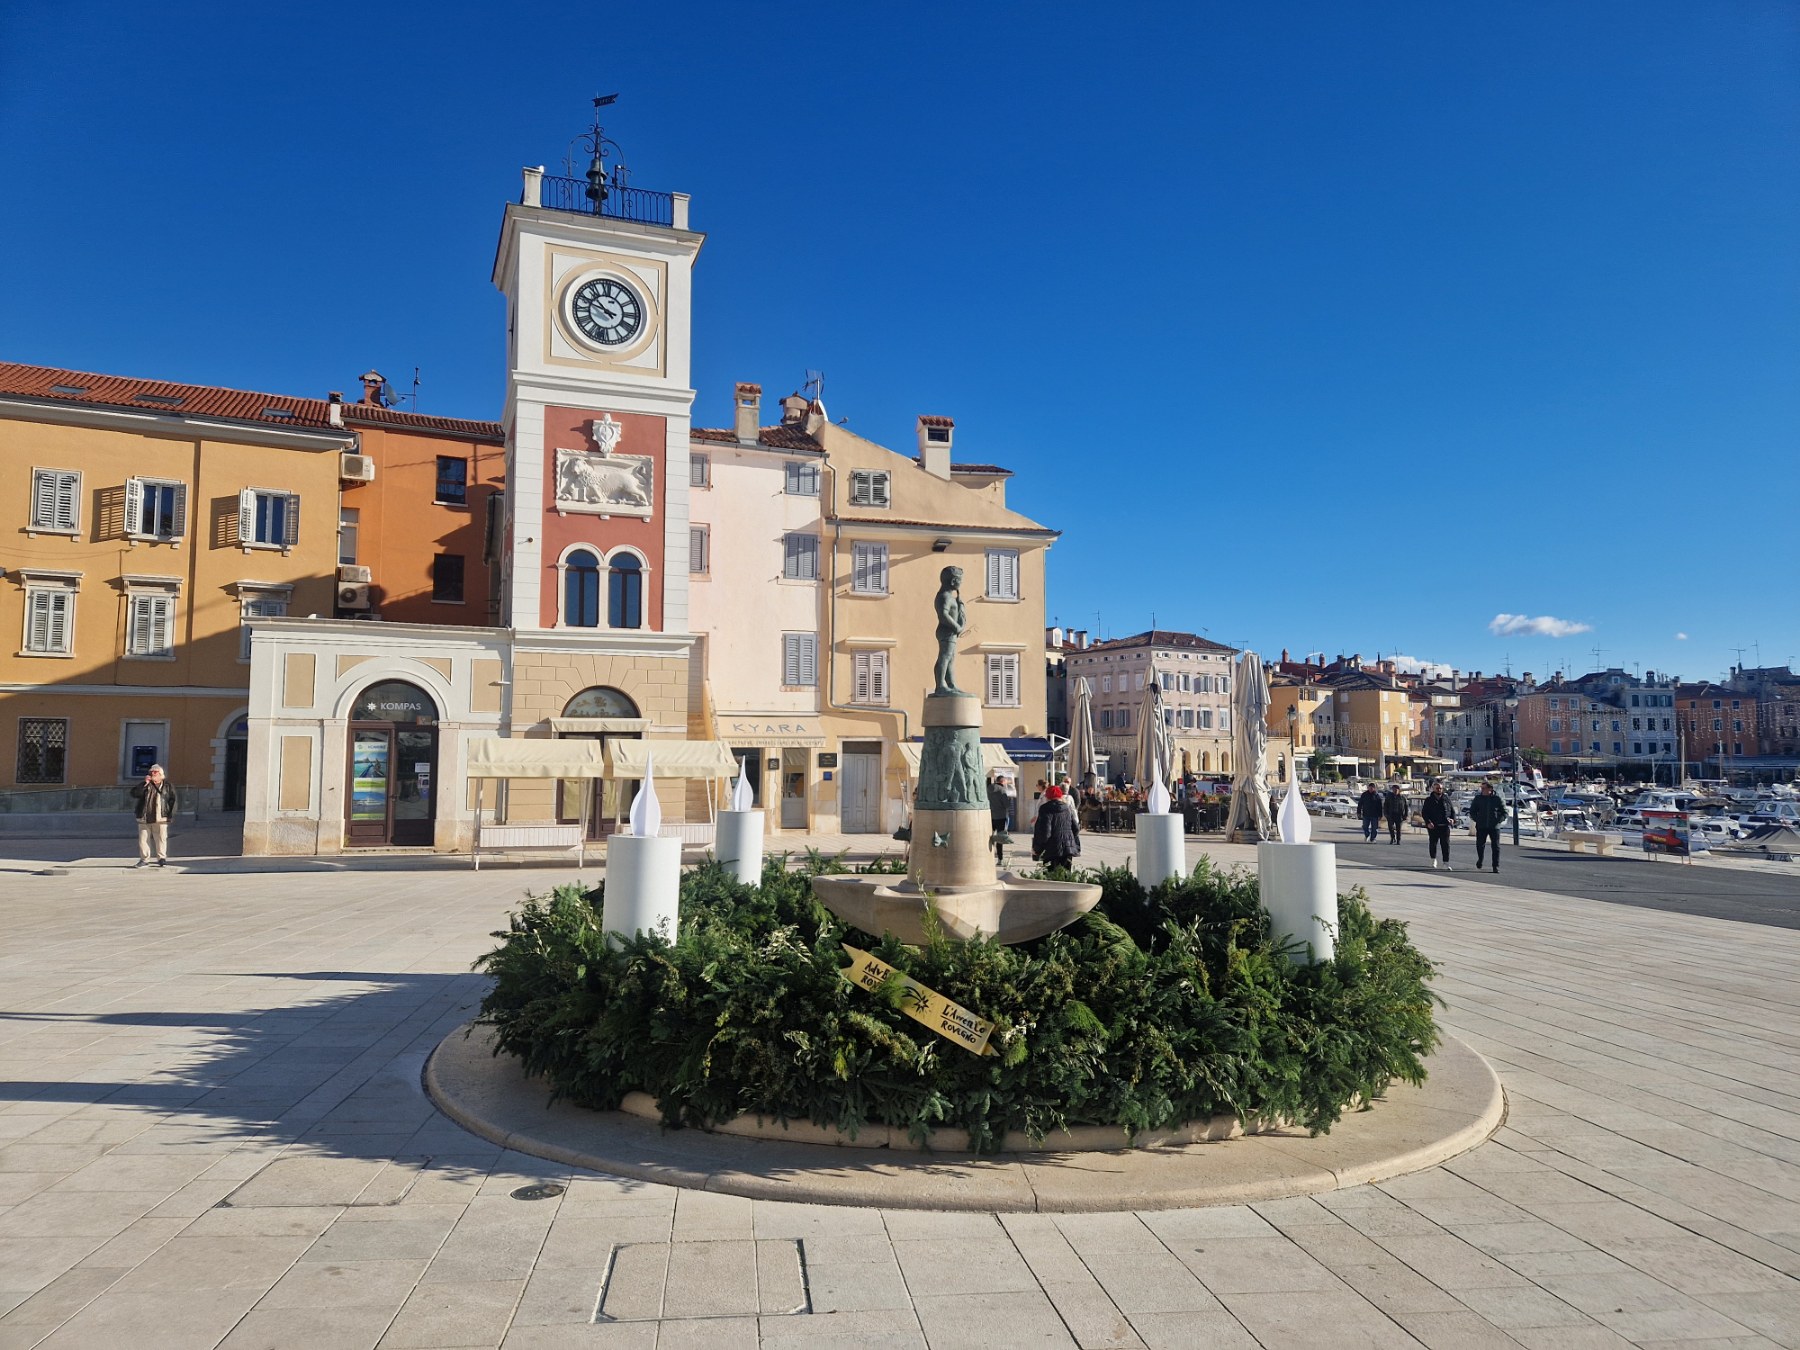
{"points": [[636, 205]]}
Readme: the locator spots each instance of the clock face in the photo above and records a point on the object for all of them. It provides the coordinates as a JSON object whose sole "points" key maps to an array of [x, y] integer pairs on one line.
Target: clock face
{"points": [[606, 311]]}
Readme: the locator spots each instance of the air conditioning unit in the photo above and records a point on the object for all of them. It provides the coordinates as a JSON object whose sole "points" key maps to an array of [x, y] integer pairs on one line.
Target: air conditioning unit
{"points": [[356, 469], [353, 595], [354, 574]]}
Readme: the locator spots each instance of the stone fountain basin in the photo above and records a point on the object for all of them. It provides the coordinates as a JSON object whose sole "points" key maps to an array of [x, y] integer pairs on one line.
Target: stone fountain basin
{"points": [[1008, 910]]}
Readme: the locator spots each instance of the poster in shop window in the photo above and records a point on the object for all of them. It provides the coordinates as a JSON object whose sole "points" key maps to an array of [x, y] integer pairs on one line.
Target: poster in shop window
{"points": [[369, 779]]}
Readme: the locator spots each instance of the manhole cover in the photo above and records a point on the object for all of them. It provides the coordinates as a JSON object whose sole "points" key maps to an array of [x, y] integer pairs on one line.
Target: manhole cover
{"points": [[548, 1190], [736, 1277]]}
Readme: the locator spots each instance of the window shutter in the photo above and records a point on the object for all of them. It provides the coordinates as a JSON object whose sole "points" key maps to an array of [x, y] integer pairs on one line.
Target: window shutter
{"points": [[697, 541], [162, 623], [292, 535], [878, 677], [178, 522], [134, 506], [994, 676], [1009, 573], [878, 489], [790, 658], [53, 494], [809, 659], [247, 516], [859, 570], [878, 581], [993, 572], [859, 684], [1009, 666], [38, 639]]}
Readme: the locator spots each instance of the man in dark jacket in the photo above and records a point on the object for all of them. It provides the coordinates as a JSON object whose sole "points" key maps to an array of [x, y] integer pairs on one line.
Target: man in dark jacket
{"points": [[155, 806], [1395, 808], [1056, 837], [1488, 812], [1438, 819], [1368, 809]]}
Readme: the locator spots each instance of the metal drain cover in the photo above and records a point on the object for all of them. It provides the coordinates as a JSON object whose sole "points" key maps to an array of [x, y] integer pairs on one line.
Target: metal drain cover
{"points": [[545, 1191]]}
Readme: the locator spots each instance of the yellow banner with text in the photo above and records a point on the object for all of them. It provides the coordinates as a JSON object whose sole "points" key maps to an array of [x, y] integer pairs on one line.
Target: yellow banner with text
{"points": [[948, 1019]]}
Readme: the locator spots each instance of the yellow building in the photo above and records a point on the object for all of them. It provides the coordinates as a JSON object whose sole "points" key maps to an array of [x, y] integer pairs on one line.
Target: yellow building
{"points": [[1301, 710], [152, 522], [892, 524]]}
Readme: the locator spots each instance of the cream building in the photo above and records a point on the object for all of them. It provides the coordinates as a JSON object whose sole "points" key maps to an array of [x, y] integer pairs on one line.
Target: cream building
{"points": [[1195, 675]]}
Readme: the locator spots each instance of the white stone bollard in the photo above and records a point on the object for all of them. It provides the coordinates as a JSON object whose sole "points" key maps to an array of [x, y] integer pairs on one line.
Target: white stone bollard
{"points": [[1161, 852], [740, 845], [1299, 890], [643, 885]]}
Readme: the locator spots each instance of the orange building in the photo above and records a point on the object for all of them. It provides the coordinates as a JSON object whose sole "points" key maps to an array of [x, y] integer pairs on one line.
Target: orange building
{"points": [[417, 537], [147, 525]]}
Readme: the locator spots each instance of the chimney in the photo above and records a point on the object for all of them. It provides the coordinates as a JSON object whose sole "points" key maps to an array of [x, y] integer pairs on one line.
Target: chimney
{"points": [[793, 410], [815, 418], [747, 412], [1081, 639], [935, 435], [334, 408], [1284, 656], [373, 382]]}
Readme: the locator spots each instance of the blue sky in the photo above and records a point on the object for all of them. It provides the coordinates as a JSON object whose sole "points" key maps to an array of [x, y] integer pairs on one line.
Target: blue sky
{"points": [[1320, 326]]}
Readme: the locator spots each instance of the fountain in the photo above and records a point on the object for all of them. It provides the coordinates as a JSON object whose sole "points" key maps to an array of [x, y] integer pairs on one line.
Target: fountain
{"points": [[952, 869]]}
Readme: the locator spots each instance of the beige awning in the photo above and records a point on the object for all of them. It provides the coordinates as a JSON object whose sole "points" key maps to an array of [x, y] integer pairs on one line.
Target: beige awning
{"points": [[593, 726], [671, 759], [492, 757], [992, 757]]}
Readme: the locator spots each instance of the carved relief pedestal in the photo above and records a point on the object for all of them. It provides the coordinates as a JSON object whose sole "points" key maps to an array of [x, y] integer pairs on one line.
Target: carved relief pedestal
{"points": [[951, 824]]}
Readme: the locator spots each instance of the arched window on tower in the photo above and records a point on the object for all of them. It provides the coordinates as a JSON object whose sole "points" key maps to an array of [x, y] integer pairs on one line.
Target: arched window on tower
{"points": [[625, 592], [581, 590]]}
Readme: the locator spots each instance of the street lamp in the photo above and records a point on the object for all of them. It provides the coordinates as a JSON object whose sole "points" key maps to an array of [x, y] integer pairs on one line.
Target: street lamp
{"points": [[1512, 720], [1293, 716]]}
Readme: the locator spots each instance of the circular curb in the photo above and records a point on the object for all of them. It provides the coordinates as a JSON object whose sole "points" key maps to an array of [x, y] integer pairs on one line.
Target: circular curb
{"points": [[1459, 1106]]}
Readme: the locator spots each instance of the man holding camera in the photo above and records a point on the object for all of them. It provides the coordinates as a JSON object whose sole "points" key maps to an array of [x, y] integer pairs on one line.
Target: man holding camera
{"points": [[156, 806]]}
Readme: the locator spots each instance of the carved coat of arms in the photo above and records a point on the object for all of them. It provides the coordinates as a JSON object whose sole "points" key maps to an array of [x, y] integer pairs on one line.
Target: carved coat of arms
{"points": [[602, 482]]}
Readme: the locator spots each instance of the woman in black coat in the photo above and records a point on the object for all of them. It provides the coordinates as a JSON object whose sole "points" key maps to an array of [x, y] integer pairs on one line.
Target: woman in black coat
{"points": [[1055, 837]]}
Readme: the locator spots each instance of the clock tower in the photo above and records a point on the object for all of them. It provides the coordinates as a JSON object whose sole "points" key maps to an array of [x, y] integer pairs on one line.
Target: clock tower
{"points": [[597, 277]]}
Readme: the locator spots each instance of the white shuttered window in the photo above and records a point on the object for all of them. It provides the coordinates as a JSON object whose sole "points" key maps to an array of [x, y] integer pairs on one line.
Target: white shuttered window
{"points": [[55, 499], [799, 659], [49, 620], [699, 549], [870, 675], [800, 557], [1003, 680], [869, 569], [150, 626], [868, 487], [1003, 574], [155, 508], [268, 518]]}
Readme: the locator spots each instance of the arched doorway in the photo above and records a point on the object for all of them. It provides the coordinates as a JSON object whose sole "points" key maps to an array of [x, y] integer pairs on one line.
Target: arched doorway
{"points": [[392, 768], [605, 710]]}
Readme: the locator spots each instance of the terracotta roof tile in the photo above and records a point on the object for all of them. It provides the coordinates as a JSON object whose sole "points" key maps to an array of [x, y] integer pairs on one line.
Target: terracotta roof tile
{"points": [[235, 405], [928, 421], [948, 527], [1162, 637], [778, 437]]}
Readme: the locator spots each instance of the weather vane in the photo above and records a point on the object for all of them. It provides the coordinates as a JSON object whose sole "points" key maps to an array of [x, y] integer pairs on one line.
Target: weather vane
{"points": [[600, 183]]}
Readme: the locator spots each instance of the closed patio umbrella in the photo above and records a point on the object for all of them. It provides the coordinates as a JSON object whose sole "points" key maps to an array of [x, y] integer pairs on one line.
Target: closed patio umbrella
{"points": [[1081, 732], [1250, 820], [1155, 740]]}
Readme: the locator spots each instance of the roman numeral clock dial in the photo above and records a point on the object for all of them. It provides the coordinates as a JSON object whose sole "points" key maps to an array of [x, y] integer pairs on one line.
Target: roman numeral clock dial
{"points": [[607, 312]]}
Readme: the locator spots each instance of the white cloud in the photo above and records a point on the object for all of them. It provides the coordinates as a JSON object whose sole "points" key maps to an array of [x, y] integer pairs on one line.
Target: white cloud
{"points": [[1415, 665], [1507, 625], [1681, 637]]}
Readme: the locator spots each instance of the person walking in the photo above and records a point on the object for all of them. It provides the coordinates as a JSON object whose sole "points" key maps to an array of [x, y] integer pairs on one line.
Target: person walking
{"points": [[1489, 813], [156, 804], [1056, 837], [1369, 808], [1395, 808], [1438, 820], [1000, 809]]}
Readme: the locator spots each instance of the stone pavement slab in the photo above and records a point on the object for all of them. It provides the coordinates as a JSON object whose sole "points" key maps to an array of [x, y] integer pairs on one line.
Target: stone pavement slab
{"points": [[258, 1040]]}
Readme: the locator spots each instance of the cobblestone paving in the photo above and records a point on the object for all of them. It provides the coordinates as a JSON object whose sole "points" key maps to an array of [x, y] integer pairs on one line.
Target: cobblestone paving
{"points": [[212, 1133]]}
